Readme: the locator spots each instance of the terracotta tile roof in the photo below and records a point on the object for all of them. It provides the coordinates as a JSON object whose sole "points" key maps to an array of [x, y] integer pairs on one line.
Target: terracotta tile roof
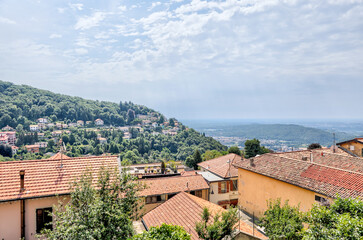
{"points": [[324, 179], [222, 166], [326, 157], [58, 156], [44, 177], [176, 184], [185, 210]]}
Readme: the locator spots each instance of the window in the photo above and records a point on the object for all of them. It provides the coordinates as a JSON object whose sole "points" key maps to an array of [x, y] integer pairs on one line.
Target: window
{"points": [[352, 147], [199, 193], [44, 217], [320, 199], [171, 195], [223, 187], [234, 185], [155, 199]]}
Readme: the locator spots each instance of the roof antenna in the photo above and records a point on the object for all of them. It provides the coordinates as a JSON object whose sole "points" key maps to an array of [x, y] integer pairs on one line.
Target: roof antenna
{"points": [[334, 143]]}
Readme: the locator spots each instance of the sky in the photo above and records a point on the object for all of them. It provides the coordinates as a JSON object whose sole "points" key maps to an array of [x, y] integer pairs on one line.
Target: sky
{"points": [[260, 59]]}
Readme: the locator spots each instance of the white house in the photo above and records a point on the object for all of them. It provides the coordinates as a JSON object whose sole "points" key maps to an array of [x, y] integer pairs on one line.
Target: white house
{"points": [[34, 128], [99, 122], [42, 120]]}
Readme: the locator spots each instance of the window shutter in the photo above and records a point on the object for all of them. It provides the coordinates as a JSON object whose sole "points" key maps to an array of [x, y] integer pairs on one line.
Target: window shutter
{"points": [[227, 186], [219, 187]]}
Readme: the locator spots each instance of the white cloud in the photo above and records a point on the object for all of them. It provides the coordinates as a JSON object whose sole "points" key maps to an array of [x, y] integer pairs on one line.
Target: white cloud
{"points": [[6, 21], [88, 22], [76, 6], [55, 35], [61, 10], [81, 51]]}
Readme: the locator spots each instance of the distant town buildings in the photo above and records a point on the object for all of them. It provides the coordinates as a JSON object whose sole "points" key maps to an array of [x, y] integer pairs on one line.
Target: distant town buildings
{"points": [[99, 122]]}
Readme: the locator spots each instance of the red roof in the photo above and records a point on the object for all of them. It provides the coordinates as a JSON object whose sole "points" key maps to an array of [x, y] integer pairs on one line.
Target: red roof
{"points": [[46, 177], [168, 185], [185, 210], [324, 179], [222, 166]]}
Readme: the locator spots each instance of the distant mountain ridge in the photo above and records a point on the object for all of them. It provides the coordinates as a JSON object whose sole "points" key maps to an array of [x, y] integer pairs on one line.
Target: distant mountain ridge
{"points": [[293, 133]]}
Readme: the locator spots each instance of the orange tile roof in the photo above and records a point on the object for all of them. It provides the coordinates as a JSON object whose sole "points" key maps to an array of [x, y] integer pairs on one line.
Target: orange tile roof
{"points": [[222, 166], [45, 177], [176, 184], [185, 210], [327, 175], [58, 156]]}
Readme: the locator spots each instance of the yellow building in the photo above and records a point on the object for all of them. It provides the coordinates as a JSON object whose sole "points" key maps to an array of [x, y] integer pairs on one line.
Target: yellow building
{"points": [[303, 178], [353, 146]]}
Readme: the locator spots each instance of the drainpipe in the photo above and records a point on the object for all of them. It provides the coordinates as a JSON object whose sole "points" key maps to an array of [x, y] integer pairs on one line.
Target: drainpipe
{"points": [[22, 205]]}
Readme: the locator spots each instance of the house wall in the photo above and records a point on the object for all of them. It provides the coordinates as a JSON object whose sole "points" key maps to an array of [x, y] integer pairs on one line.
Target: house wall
{"points": [[10, 227], [10, 220], [217, 197], [357, 147], [255, 190]]}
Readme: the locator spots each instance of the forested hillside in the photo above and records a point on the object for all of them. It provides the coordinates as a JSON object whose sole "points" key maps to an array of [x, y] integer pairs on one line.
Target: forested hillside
{"points": [[21, 104], [140, 141]]}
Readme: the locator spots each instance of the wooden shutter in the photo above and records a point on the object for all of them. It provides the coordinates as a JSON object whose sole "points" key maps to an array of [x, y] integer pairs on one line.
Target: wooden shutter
{"points": [[219, 187], [227, 186]]}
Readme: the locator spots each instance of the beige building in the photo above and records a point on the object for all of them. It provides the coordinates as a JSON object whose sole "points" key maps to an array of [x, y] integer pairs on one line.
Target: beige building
{"points": [[353, 146], [29, 190], [159, 190], [222, 177], [302, 177]]}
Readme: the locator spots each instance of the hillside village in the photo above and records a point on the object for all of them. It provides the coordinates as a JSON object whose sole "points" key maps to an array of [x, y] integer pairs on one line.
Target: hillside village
{"points": [[175, 194], [44, 131]]}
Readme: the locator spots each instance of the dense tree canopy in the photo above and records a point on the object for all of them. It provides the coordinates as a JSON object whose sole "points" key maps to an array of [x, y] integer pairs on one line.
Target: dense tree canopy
{"points": [[21, 104], [253, 148], [164, 232]]}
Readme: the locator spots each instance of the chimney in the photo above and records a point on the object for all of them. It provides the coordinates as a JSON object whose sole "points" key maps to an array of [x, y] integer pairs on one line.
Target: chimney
{"points": [[252, 162], [22, 175], [311, 157]]}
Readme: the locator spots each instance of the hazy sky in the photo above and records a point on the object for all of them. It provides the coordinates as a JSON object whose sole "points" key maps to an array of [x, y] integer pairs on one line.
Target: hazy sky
{"points": [[192, 59]]}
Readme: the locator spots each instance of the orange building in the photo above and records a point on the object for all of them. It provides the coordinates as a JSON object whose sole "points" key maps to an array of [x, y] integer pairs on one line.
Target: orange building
{"points": [[29, 189], [302, 177], [32, 148]]}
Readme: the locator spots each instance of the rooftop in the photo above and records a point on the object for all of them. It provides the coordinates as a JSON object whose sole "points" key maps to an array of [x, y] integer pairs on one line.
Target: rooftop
{"points": [[168, 185], [46, 177], [185, 210], [327, 174], [222, 166]]}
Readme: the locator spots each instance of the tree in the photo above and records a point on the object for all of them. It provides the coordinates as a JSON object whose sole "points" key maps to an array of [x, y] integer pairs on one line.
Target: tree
{"points": [[130, 116], [171, 122], [234, 149], [162, 167], [5, 150], [253, 148], [192, 161], [282, 222], [218, 227], [164, 232], [314, 146], [211, 154], [98, 212], [343, 219]]}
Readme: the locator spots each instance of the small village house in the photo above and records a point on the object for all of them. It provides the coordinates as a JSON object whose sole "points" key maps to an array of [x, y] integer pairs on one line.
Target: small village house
{"points": [[14, 150], [34, 128], [222, 177], [11, 137], [42, 120], [7, 128], [159, 190], [302, 177], [33, 187], [80, 123], [32, 148], [99, 122], [353, 146]]}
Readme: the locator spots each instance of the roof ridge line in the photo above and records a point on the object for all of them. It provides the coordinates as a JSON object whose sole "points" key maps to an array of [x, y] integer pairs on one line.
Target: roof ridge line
{"points": [[319, 164]]}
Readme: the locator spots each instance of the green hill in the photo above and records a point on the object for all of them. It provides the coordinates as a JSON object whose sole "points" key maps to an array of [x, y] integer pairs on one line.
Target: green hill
{"points": [[24, 104]]}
